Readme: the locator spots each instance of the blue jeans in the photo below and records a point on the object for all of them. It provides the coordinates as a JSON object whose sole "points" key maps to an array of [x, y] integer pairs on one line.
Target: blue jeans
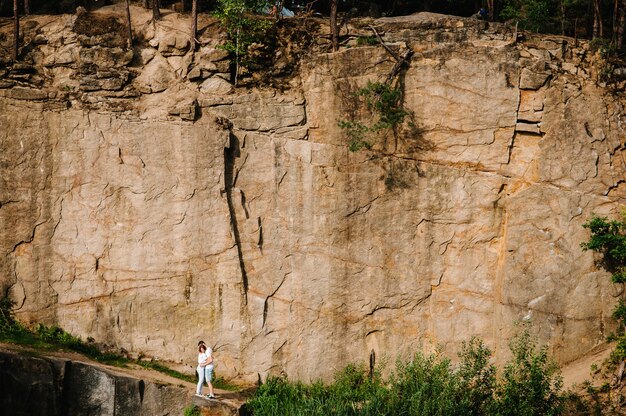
{"points": [[204, 373]]}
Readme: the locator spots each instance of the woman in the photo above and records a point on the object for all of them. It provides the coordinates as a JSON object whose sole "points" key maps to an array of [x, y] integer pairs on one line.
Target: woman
{"points": [[205, 370]]}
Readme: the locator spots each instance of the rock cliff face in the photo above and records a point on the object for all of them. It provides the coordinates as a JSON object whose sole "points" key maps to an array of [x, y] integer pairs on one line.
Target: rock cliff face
{"points": [[146, 202], [51, 386]]}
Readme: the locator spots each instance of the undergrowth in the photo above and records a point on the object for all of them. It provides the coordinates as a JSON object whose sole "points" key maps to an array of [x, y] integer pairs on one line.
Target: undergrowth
{"points": [[427, 384], [192, 410], [382, 111]]}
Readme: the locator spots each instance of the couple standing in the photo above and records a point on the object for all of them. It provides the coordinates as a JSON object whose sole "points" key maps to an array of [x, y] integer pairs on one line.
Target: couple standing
{"points": [[205, 369]]}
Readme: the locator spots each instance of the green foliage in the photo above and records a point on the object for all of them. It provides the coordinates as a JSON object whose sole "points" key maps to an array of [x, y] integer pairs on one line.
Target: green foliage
{"points": [[192, 410], [383, 105], [357, 135], [604, 47], [367, 40], [534, 15], [477, 377], [7, 322], [608, 237], [345, 396], [531, 382], [426, 385], [385, 102], [243, 26]]}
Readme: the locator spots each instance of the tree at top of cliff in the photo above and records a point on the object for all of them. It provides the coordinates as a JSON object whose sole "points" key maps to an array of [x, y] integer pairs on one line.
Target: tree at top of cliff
{"points": [[244, 27]]}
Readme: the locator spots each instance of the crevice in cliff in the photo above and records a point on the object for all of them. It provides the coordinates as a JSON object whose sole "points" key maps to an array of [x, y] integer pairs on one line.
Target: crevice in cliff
{"points": [[260, 240], [615, 186], [232, 152], [64, 378], [390, 307], [362, 209], [30, 238], [7, 202], [266, 304]]}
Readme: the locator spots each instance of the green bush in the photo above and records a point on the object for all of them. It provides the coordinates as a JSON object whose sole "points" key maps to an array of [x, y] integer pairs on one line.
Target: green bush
{"points": [[534, 15], [427, 385], [477, 378], [367, 40], [385, 112], [531, 384], [608, 237], [7, 322]]}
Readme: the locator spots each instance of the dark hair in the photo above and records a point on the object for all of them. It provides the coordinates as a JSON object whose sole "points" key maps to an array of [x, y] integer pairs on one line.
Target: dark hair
{"points": [[201, 343], [201, 347]]}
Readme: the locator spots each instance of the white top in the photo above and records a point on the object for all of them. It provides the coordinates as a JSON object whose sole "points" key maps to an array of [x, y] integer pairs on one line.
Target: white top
{"points": [[202, 357]]}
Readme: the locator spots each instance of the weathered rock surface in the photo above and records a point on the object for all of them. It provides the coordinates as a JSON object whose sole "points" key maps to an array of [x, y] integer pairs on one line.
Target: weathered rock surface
{"points": [[151, 220], [51, 386]]}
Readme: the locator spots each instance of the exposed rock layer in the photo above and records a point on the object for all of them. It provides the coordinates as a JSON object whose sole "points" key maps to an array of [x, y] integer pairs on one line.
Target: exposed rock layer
{"points": [[149, 204], [50, 386]]}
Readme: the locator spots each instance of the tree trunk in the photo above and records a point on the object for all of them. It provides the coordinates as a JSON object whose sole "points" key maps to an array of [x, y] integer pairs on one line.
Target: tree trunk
{"points": [[26, 7], [194, 23], [130, 29], [597, 20], [334, 29], [16, 30], [562, 17], [621, 26], [146, 4], [615, 20], [156, 13], [492, 9]]}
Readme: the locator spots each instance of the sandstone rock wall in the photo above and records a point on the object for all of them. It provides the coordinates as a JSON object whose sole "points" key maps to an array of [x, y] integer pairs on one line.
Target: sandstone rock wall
{"points": [[148, 203]]}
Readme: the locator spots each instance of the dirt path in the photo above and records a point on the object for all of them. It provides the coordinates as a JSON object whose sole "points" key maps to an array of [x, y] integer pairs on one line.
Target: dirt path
{"points": [[234, 399]]}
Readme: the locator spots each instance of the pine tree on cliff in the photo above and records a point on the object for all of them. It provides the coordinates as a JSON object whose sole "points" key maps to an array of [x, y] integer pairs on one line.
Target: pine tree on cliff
{"points": [[334, 29], [130, 29], [621, 26], [16, 30], [194, 23], [156, 13], [597, 20]]}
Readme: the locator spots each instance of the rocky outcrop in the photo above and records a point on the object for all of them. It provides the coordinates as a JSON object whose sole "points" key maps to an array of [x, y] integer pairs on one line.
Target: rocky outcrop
{"points": [[166, 205], [53, 386]]}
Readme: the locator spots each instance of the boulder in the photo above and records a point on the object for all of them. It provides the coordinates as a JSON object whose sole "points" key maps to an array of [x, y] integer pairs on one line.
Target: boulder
{"points": [[156, 76]]}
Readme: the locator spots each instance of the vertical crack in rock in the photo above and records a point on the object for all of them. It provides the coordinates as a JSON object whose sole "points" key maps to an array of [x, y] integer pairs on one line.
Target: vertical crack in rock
{"points": [[499, 278], [260, 240], [64, 380], [231, 152], [266, 304], [188, 285], [243, 204]]}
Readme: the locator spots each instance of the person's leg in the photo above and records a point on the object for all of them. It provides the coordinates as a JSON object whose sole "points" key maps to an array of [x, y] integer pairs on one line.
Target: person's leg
{"points": [[200, 371], [209, 378]]}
